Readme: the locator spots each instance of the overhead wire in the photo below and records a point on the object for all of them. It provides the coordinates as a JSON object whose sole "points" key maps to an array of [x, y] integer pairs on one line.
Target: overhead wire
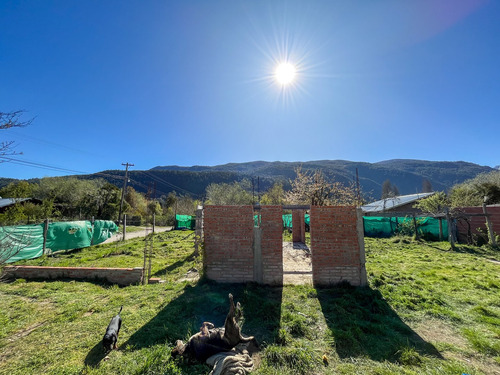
{"points": [[67, 170], [159, 179], [117, 176]]}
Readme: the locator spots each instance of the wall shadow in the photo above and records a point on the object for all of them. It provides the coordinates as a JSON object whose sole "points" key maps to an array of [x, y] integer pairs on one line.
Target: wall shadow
{"points": [[208, 301], [175, 265], [363, 324]]}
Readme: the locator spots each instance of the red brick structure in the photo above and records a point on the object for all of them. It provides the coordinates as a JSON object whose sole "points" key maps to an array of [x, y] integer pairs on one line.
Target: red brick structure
{"points": [[238, 251], [337, 246], [298, 226], [271, 225], [478, 222], [228, 233], [120, 276]]}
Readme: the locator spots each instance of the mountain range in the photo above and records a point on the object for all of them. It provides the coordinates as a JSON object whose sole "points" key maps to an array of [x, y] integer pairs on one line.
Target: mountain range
{"points": [[406, 174]]}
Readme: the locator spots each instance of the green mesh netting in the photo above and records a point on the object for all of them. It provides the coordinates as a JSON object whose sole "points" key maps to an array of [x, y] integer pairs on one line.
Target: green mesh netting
{"points": [[26, 241], [103, 229], [388, 226], [69, 235], [21, 242], [185, 222], [287, 220]]}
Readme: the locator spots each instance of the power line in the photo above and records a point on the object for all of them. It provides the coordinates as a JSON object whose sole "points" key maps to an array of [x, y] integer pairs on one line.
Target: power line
{"points": [[39, 165], [158, 179], [33, 164]]}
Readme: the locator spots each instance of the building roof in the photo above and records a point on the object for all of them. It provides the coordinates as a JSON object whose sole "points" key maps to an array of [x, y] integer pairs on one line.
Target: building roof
{"points": [[5, 202], [391, 203]]}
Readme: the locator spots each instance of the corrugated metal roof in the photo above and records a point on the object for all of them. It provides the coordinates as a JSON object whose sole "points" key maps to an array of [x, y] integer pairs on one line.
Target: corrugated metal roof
{"points": [[390, 203], [5, 202]]}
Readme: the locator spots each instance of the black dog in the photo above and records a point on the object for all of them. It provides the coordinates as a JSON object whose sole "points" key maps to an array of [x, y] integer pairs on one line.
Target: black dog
{"points": [[111, 336]]}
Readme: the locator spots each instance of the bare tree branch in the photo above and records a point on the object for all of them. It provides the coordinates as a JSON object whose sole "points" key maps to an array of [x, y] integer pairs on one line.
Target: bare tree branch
{"points": [[10, 120]]}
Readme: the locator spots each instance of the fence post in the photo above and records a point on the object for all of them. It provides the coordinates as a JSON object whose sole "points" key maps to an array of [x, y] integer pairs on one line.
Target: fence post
{"points": [[45, 230], [489, 227], [92, 238], [154, 221], [440, 229], [450, 229], [415, 226], [198, 231]]}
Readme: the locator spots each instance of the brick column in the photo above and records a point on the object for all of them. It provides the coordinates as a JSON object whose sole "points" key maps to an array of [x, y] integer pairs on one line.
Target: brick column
{"points": [[228, 235], [272, 244], [336, 247], [298, 226]]}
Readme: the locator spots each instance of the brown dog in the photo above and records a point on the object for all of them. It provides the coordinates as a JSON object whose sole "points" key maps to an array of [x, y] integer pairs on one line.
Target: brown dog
{"points": [[210, 340]]}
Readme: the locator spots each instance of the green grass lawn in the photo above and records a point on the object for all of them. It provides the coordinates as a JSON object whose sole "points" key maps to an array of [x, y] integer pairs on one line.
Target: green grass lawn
{"points": [[427, 310]]}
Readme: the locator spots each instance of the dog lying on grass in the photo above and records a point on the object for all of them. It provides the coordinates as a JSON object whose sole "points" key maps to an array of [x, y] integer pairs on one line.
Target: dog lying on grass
{"points": [[210, 340], [111, 336]]}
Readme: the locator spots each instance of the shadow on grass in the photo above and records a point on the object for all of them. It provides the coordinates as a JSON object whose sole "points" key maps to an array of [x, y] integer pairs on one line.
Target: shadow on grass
{"points": [[208, 301], [485, 252], [175, 265], [363, 324], [95, 355]]}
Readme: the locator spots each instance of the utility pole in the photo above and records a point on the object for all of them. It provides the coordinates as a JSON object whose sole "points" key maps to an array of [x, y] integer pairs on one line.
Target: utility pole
{"points": [[258, 188], [358, 190], [253, 192], [123, 190]]}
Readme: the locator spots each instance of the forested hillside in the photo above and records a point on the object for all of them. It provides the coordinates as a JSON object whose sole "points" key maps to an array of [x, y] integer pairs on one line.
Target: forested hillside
{"points": [[407, 175]]}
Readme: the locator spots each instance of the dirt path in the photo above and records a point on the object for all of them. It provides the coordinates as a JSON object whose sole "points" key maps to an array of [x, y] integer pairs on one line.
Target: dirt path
{"points": [[140, 233], [297, 267]]}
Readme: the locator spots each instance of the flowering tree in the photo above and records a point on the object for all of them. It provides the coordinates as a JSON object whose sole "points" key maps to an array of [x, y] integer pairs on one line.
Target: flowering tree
{"points": [[311, 187]]}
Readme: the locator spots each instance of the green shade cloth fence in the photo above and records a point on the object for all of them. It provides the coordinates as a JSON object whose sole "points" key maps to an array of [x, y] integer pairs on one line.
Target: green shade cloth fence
{"points": [[375, 226], [26, 241], [287, 220], [185, 222], [21, 242]]}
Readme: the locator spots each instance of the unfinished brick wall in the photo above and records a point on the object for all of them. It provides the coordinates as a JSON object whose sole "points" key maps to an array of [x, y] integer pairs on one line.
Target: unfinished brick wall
{"points": [[228, 235], [120, 276], [272, 244], [236, 251], [337, 246]]}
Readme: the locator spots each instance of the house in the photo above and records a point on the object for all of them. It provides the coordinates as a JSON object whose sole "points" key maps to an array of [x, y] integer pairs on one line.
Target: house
{"points": [[9, 202], [400, 204]]}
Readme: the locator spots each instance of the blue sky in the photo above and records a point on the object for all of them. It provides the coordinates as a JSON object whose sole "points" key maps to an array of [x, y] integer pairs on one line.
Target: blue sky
{"points": [[192, 82]]}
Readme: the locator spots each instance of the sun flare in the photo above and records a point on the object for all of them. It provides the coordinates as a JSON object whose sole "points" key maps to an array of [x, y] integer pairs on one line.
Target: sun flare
{"points": [[285, 73]]}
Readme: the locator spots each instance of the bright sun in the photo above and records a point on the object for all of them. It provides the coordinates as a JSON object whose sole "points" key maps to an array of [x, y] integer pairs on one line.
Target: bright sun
{"points": [[285, 73]]}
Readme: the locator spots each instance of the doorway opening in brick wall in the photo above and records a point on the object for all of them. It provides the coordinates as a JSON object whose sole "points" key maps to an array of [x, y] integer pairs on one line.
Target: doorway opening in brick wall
{"points": [[297, 265]]}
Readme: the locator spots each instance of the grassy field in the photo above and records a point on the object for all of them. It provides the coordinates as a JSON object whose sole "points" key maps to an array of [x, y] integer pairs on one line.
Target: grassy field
{"points": [[427, 310]]}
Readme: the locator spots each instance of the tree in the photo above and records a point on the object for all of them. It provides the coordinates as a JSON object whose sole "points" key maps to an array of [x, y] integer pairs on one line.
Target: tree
{"points": [[473, 191], [20, 189], [137, 203], [389, 190], [433, 204], [311, 187], [10, 120], [426, 186], [229, 194], [275, 195]]}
